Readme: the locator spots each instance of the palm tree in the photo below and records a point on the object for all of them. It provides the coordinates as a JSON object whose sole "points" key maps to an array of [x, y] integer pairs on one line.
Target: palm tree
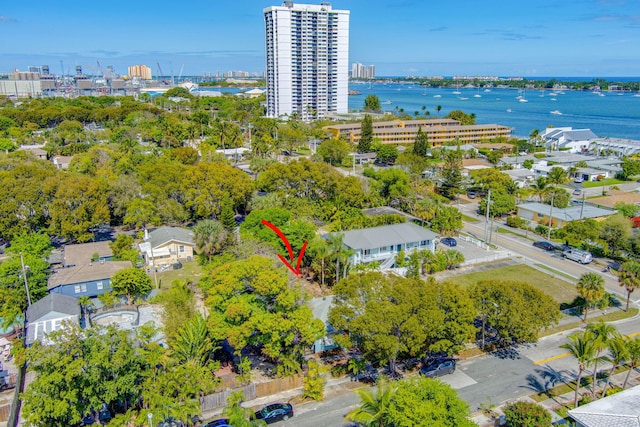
{"points": [[540, 187], [556, 176], [373, 410], [438, 108], [336, 248], [580, 346], [629, 278], [602, 333], [633, 347], [591, 288], [618, 353], [209, 236]]}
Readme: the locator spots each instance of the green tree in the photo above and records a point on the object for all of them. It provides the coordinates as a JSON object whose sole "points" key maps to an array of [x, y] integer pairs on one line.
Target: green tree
{"points": [[178, 307], [462, 117], [618, 354], [228, 215], [421, 145], [314, 381], [629, 278], [333, 151], [193, 342], [517, 310], [451, 174], [494, 156], [374, 409], [121, 245], [372, 103], [132, 283], [447, 220], [591, 288], [386, 152], [526, 414], [627, 209], [251, 303], [633, 347], [237, 414], [615, 231], [210, 236], [421, 401], [581, 347], [366, 135], [601, 333]]}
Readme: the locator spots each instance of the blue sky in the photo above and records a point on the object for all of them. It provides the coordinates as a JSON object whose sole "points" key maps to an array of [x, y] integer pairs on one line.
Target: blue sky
{"points": [[592, 38]]}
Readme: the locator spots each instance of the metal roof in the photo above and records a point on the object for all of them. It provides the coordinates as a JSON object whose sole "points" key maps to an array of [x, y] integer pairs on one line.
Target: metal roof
{"points": [[163, 235], [57, 304], [618, 410], [386, 235], [86, 273], [568, 214]]}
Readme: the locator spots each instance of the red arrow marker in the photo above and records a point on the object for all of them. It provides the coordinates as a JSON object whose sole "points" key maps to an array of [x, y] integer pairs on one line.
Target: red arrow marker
{"points": [[284, 239]]}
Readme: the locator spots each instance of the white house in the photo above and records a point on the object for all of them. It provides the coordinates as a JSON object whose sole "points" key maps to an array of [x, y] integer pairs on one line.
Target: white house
{"points": [[620, 410], [567, 138], [383, 243]]}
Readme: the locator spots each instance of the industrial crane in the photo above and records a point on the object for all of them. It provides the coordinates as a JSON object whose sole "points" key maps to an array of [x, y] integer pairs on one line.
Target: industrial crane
{"points": [[161, 75]]}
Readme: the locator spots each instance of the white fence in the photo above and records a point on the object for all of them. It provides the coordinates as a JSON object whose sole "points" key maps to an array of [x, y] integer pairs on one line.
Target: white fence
{"points": [[489, 258], [479, 243]]}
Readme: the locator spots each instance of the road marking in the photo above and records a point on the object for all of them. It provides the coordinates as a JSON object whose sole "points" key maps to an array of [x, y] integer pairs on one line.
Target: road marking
{"points": [[549, 359], [560, 356]]}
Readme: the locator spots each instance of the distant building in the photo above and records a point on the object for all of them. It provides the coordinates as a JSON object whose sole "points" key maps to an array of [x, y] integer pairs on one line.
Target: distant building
{"points": [[439, 131], [141, 71], [539, 213], [361, 71], [307, 50]]}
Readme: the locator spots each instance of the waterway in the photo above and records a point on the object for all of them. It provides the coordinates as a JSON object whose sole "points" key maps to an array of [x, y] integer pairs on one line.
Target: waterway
{"points": [[609, 114]]}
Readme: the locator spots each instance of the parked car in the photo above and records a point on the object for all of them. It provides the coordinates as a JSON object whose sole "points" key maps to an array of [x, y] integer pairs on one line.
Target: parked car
{"points": [[471, 194], [578, 180], [449, 241], [275, 412], [577, 192], [438, 368], [545, 245], [223, 422]]}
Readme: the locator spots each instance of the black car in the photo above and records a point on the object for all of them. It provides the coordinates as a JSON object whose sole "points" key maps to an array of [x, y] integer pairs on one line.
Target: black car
{"points": [[545, 245], [438, 368], [275, 412], [449, 241], [223, 422]]}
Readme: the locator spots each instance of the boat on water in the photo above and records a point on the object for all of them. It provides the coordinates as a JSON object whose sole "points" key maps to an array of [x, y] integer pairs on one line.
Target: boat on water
{"points": [[462, 98], [508, 110], [387, 102], [457, 91], [487, 90], [553, 99], [556, 113], [440, 96]]}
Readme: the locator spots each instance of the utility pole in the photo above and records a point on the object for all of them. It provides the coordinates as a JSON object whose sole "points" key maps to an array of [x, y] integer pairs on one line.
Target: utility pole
{"points": [[486, 221], [550, 215], [24, 276], [582, 205]]}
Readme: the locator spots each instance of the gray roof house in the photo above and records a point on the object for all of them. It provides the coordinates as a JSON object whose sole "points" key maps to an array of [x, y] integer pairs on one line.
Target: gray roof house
{"points": [[167, 245], [567, 138], [48, 314], [382, 243], [618, 410]]}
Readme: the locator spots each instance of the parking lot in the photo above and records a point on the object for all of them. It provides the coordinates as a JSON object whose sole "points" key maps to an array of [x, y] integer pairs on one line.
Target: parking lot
{"points": [[473, 250]]}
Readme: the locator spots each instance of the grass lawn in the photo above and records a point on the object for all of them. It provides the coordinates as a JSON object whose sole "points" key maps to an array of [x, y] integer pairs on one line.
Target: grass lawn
{"points": [[612, 316], [608, 181], [559, 289], [468, 218], [190, 270]]}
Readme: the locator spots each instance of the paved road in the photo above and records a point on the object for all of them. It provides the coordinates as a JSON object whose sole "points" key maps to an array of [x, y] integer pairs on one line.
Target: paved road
{"points": [[503, 375]]}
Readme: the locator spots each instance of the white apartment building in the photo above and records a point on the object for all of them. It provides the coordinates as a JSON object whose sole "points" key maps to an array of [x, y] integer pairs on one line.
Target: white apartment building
{"points": [[361, 71], [307, 60]]}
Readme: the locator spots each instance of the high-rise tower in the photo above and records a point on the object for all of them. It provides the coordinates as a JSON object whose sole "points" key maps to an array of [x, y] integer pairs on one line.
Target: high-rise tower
{"points": [[307, 60]]}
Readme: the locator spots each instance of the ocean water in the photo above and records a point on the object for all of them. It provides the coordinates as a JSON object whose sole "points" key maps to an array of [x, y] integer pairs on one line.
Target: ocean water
{"points": [[615, 115]]}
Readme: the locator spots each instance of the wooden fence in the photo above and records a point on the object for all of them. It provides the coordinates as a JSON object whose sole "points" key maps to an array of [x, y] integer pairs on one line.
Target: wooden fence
{"points": [[4, 412], [251, 391]]}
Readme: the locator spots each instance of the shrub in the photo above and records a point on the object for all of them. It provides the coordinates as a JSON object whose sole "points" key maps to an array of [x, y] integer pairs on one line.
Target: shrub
{"points": [[314, 381], [339, 370], [526, 414], [517, 222]]}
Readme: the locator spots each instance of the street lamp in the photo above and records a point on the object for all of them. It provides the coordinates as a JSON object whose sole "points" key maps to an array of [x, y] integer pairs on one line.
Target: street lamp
{"points": [[150, 417]]}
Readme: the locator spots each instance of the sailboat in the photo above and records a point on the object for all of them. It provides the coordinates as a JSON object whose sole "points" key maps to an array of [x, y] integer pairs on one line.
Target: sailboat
{"points": [[477, 95], [425, 92], [457, 91], [523, 97]]}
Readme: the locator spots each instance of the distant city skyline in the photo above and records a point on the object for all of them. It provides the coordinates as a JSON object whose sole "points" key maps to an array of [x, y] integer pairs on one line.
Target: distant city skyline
{"points": [[546, 38]]}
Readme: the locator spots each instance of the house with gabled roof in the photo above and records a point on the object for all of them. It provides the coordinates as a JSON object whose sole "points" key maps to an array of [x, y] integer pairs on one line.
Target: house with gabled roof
{"points": [[619, 410], [569, 139], [167, 245], [383, 243], [50, 314]]}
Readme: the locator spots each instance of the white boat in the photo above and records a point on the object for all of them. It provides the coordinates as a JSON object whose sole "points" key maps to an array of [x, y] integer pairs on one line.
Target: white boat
{"points": [[440, 96], [523, 100], [462, 98], [508, 110], [553, 99], [553, 94], [556, 113], [387, 102], [487, 90], [637, 95], [457, 91]]}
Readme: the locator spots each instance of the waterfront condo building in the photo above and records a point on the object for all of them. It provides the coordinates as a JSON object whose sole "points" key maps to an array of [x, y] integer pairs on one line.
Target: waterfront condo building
{"points": [[307, 60]]}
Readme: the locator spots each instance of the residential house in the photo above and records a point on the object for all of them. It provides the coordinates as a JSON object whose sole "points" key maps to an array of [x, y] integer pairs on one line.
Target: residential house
{"points": [[167, 245], [539, 213], [568, 139], [615, 146], [517, 162], [49, 314], [383, 243], [234, 154], [522, 177], [62, 162], [86, 270], [619, 409]]}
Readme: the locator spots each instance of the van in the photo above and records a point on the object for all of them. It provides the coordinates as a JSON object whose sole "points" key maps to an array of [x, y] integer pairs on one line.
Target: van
{"points": [[578, 255]]}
